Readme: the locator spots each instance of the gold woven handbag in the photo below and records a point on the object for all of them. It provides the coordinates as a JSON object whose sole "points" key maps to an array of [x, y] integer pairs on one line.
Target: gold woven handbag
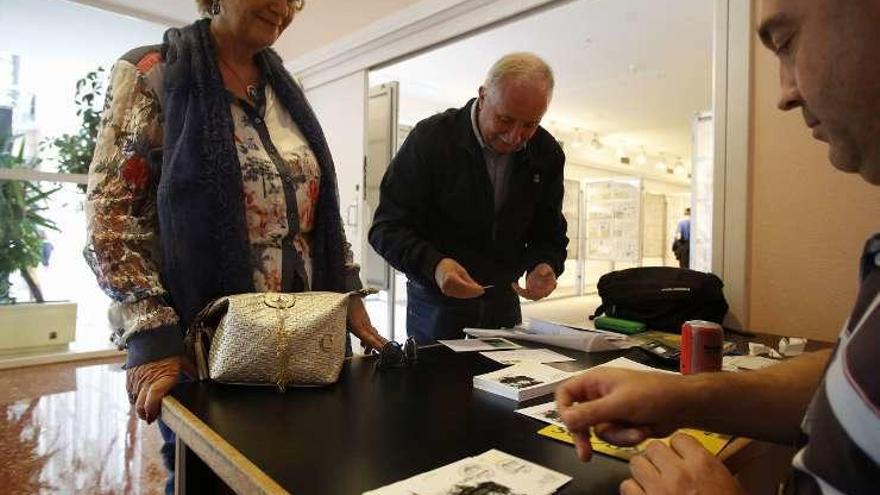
{"points": [[269, 338]]}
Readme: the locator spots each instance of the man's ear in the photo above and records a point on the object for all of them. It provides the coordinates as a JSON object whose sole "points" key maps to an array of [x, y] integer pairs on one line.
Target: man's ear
{"points": [[482, 95]]}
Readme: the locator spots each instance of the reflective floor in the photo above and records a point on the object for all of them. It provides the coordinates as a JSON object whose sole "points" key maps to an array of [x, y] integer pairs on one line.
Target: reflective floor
{"points": [[68, 428]]}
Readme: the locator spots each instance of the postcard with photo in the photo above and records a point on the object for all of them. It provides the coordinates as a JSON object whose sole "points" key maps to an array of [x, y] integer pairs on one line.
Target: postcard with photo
{"points": [[480, 344], [543, 412], [522, 381], [520, 355], [492, 472]]}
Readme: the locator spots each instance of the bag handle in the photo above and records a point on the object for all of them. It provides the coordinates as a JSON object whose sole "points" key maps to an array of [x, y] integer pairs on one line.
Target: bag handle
{"points": [[201, 332]]}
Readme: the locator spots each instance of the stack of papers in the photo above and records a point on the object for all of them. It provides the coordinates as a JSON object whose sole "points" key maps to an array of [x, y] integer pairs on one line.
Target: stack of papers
{"points": [[523, 381], [490, 472], [579, 338]]}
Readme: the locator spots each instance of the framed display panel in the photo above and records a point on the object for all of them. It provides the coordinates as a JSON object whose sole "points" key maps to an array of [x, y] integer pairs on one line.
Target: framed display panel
{"points": [[654, 226], [613, 219]]}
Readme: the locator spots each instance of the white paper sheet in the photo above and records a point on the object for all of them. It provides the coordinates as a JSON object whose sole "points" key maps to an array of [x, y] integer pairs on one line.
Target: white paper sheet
{"points": [[629, 364], [490, 470], [545, 412], [488, 343], [520, 355]]}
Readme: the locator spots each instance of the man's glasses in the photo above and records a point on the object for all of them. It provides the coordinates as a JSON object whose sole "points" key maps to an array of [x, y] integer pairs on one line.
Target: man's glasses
{"points": [[393, 355]]}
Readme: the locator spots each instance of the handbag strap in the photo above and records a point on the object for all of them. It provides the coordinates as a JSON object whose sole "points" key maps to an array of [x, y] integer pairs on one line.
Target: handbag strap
{"points": [[283, 350]]}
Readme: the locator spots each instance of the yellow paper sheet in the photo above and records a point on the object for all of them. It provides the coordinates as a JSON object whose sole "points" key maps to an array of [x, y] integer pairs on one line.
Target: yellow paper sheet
{"points": [[713, 442]]}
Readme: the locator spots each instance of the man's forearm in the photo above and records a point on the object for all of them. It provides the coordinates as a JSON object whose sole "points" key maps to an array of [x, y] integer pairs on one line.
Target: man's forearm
{"points": [[767, 404]]}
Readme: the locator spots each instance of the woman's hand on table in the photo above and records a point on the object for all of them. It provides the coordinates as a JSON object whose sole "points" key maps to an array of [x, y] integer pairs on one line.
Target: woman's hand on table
{"points": [[361, 327], [148, 383]]}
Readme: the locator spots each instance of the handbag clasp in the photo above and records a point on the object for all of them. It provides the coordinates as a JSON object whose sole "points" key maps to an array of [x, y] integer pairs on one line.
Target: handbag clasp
{"points": [[279, 301]]}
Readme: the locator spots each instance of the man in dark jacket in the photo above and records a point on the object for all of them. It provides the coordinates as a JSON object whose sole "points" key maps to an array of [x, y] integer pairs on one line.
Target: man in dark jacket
{"points": [[472, 201]]}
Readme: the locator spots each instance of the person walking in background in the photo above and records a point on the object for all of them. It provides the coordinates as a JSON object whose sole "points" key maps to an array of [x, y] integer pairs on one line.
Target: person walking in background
{"points": [[681, 246]]}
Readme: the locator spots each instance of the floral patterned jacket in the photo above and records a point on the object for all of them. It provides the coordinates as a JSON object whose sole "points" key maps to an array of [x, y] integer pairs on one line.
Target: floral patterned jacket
{"points": [[280, 189]]}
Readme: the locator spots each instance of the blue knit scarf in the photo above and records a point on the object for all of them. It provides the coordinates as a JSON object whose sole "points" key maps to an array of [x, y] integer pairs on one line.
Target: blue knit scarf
{"points": [[205, 252]]}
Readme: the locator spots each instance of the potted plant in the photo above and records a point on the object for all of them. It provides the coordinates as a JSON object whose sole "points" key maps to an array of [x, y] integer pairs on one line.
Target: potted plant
{"points": [[22, 204], [75, 150], [22, 222]]}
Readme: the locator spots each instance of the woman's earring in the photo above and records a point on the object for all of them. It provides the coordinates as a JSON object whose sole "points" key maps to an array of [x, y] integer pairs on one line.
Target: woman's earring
{"points": [[215, 8], [299, 4]]}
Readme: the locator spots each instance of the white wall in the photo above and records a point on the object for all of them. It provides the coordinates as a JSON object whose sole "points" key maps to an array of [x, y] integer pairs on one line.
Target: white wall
{"points": [[59, 42], [341, 107]]}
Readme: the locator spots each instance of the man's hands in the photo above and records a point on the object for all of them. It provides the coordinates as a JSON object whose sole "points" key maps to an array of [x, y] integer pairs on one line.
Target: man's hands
{"points": [[540, 282], [361, 326], [683, 467], [148, 383], [625, 407], [454, 281]]}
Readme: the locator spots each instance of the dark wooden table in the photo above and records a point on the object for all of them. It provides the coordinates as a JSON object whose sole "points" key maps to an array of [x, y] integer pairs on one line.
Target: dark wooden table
{"points": [[370, 429]]}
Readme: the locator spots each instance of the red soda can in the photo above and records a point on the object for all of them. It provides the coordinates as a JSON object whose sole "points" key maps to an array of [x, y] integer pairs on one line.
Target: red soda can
{"points": [[702, 343]]}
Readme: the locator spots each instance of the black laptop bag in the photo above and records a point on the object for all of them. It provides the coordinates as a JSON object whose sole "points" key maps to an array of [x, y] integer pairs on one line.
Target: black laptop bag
{"points": [[662, 297]]}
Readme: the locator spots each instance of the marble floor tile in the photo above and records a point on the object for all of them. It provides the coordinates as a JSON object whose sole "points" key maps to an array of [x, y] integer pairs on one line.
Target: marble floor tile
{"points": [[68, 428]]}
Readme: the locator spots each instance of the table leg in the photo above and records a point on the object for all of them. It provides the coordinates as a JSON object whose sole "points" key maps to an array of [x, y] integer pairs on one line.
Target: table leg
{"points": [[192, 475]]}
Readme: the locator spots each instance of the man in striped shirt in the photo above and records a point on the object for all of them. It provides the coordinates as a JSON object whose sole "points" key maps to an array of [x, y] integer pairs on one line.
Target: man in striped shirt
{"points": [[826, 403]]}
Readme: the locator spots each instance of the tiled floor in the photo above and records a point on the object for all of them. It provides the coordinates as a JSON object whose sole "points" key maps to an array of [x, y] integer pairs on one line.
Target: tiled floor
{"points": [[68, 428]]}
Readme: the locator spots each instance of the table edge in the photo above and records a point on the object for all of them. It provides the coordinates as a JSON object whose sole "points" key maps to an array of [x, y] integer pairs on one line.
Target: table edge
{"points": [[226, 461]]}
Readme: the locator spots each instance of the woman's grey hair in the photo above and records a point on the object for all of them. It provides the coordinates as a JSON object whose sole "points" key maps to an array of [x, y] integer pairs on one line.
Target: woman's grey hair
{"points": [[520, 66]]}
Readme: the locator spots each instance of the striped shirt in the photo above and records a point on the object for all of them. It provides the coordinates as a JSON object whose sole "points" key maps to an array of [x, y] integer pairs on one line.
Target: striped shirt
{"points": [[841, 443]]}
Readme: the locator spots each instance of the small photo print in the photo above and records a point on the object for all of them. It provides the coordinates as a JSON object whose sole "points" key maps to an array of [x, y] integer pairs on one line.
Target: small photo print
{"points": [[552, 415], [482, 488], [545, 412], [520, 381]]}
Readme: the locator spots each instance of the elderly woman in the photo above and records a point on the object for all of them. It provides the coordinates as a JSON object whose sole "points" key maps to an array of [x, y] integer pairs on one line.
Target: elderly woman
{"points": [[211, 177]]}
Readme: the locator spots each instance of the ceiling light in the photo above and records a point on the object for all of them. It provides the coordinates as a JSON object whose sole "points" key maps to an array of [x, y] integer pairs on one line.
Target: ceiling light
{"points": [[642, 159], [578, 139], [661, 163], [679, 169]]}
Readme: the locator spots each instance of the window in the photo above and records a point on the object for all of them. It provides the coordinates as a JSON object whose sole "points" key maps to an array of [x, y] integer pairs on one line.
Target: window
{"points": [[48, 45]]}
